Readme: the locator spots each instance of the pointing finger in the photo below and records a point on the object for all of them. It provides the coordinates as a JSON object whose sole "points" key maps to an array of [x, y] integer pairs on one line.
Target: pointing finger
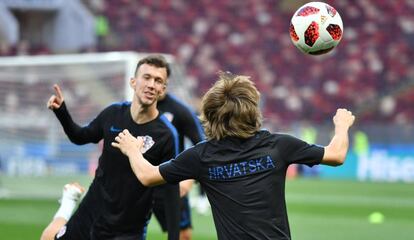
{"points": [[58, 91]]}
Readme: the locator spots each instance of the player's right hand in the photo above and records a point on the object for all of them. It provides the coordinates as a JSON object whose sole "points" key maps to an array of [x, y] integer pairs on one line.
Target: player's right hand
{"points": [[56, 100]]}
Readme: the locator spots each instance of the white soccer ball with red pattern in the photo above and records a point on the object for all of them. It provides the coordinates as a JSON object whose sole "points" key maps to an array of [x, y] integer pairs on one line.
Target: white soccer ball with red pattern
{"points": [[316, 28]]}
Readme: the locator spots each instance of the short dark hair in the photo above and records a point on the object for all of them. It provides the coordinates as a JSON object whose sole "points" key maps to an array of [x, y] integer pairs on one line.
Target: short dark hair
{"points": [[155, 60]]}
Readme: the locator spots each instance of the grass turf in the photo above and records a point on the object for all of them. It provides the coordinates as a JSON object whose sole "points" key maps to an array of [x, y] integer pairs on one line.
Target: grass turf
{"points": [[318, 210]]}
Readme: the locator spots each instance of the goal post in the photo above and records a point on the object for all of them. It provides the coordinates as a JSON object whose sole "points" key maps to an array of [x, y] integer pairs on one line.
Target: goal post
{"points": [[34, 150]]}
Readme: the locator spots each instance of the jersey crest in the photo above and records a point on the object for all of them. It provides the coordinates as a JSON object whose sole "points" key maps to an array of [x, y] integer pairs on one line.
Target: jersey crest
{"points": [[148, 143]]}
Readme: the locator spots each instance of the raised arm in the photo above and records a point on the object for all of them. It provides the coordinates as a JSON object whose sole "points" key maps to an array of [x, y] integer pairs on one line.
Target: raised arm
{"points": [[92, 133], [147, 174], [335, 152]]}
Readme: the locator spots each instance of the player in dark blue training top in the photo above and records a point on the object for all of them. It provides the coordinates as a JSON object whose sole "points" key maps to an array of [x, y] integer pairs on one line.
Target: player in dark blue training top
{"points": [[241, 168], [117, 206], [188, 126]]}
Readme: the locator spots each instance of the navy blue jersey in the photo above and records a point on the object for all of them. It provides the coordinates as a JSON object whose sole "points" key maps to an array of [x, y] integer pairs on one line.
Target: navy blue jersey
{"points": [[244, 180], [183, 118], [126, 203], [188, 126]]}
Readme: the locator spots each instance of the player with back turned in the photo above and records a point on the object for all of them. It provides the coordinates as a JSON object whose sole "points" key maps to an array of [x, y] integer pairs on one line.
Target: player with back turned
{"points": [[242, 168], [117, 206]]}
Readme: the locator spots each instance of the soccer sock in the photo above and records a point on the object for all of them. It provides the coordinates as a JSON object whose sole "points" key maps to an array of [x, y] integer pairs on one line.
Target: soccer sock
{"points": [[71, 195], [66, 208]]}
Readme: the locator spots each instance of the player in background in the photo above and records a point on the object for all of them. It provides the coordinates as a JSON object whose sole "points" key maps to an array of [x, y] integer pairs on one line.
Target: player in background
{"points": [[242, 168], [116, 205], [188, 126]]}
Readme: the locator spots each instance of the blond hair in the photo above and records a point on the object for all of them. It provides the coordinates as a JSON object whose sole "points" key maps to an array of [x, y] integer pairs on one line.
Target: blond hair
{"points": [[231, 108]]}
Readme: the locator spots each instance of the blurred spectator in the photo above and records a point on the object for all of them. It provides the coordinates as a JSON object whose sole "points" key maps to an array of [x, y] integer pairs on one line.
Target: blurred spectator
{"points": [[361, 144], [5, 49], [364, 73], [23, 47]]}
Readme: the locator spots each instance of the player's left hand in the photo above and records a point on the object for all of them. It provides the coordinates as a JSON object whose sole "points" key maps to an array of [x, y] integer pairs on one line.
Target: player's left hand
{"points": [[128, 144], [185, 187], [343, 118]]}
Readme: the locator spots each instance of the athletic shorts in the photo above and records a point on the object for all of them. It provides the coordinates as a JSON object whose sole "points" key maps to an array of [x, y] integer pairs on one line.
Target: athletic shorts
{"points": [[82, 225], [185, 213]]}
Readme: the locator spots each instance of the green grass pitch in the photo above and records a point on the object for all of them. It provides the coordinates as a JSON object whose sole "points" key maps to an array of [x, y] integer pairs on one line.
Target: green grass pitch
{"points": [[318, 210]]}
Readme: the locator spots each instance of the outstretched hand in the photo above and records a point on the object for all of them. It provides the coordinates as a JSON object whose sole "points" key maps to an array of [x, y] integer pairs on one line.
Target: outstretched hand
{"points": [[128, 144], [56, 100]]}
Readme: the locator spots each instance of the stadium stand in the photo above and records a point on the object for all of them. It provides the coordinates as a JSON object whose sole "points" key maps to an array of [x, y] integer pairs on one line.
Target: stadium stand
{"points": [[371, 71]]}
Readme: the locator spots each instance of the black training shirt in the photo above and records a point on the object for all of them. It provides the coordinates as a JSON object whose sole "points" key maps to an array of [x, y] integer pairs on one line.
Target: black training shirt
{"points": [[183, 118], [126, 202], [188, 125], [245, 181]]}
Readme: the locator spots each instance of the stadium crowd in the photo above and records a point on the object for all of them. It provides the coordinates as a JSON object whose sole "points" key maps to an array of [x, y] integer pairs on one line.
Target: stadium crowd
{"points": [[371, 71]]}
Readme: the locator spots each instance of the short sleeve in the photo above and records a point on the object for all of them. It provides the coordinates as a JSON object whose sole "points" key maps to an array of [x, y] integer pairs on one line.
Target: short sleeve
{"points": [[297, 151], [185, 166]]}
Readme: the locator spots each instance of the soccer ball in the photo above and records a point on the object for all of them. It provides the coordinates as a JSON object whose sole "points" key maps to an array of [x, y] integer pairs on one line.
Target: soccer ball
{"points": [[316, 28]]}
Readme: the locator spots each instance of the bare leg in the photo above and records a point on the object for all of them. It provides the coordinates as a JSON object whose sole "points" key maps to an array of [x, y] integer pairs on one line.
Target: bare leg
{"points": [[72, 193], [185, 234]]}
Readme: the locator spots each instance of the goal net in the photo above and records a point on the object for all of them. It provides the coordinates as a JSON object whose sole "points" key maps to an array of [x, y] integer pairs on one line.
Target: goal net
{"points": [[36, 157]]}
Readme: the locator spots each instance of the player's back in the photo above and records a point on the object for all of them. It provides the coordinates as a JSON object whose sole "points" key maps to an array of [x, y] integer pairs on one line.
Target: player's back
{"points": [[245, 180]]}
